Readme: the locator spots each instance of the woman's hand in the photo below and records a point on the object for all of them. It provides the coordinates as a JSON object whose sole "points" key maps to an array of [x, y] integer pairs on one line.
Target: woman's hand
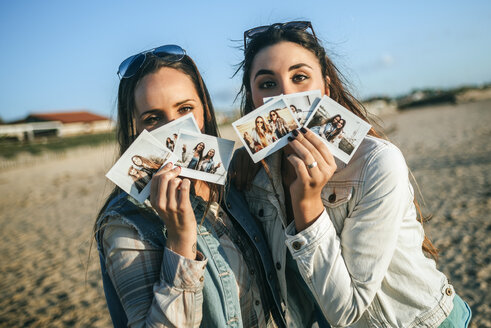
{"points": [[169, 196], [306, 189]]}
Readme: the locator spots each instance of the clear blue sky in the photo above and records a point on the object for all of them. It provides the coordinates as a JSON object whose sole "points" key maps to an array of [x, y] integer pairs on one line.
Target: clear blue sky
{"points": [[63, 55]]}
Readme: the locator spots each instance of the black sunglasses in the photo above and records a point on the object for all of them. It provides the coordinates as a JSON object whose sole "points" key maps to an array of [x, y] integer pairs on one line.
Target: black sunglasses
{"points": [[131, 65], [295, 25]]}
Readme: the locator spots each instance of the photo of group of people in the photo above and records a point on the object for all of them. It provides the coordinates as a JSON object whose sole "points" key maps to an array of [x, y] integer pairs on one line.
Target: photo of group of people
{"points": [[341, 130], [136, 167], [142, 169], [263, 131], [301, 104], [168, 133], [203, 157]]}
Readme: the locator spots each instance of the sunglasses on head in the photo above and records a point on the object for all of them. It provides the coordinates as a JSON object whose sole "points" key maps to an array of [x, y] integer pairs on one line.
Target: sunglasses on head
{"points": [[295, 25], [131, 65]]}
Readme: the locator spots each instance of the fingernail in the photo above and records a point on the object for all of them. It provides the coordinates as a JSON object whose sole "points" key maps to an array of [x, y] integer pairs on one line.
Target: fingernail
{"points": [[304, 130], [295, 133], [290, 138], [177, 168]]}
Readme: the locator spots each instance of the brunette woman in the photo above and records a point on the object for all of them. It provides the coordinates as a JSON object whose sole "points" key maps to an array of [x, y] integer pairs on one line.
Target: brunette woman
{"points": [[262, 134], [192, 159], [195, 257], [278, 124], [348, 232]]}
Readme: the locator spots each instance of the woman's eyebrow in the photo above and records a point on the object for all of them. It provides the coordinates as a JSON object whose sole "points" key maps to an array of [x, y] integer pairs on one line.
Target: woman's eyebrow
{"points": [[298, 66], [263, 72], [184, 101]]}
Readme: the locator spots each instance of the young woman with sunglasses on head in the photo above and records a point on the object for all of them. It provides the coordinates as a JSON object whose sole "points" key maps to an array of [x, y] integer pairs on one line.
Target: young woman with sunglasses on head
{"points": [[347, 231], [194, 258]]}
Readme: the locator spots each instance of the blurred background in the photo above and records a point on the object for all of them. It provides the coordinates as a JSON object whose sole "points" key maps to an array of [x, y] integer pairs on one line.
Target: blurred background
{"points": [[422, 67]]}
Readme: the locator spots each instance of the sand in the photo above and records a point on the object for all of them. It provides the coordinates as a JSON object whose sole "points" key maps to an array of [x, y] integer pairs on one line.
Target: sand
{"points": [[49, 204]]}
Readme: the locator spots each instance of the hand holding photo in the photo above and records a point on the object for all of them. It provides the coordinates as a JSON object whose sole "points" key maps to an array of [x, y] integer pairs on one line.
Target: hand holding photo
{"points": [[203, 157], [136, 167], [168, 133], [265, 130], [302, 104], [341, 130]]}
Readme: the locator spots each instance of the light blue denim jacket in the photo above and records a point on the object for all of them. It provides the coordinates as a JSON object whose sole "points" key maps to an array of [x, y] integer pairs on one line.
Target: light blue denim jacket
{"points": [[221, 306], [362, 258]]}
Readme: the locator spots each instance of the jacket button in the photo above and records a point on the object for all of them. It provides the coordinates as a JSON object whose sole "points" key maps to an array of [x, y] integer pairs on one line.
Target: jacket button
{"points": [[256, 238], [201, 278], [332, 198], [257, 302], [296, 245], [448, 291], [228, 205], [220, 214], [252, 272], [261, 212], [278, 265]]}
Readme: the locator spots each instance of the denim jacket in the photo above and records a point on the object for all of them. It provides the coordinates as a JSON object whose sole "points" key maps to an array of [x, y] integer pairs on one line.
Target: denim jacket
{"points": [[362, 258], [220, 300]]}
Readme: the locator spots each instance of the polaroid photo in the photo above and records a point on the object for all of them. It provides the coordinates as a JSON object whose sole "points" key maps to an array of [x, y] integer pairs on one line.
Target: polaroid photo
{"points": [[203, 157], [265, 130], [341, 130], [168, 133], [302, 104], [134, 170]]}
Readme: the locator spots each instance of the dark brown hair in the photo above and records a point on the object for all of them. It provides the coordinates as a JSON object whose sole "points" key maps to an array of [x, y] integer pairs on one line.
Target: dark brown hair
{"points": [[336, 82]]}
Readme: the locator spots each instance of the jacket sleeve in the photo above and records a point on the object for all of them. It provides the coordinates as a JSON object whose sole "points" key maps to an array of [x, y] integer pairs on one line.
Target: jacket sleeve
{"points": [[344, 272], [156, 289]]}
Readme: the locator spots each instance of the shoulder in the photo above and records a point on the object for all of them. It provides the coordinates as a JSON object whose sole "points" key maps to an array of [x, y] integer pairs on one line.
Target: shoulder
{"points": [[130, 218], [374, 161]]}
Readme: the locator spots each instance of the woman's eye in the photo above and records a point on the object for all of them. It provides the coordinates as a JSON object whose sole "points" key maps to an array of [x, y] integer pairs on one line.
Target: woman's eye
{"points": [[299, 77], [267, 85], [185, 109], [151, 120]]}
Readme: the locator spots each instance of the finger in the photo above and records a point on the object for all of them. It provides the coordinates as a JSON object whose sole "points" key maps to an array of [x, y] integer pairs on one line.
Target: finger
{"points": [[172, 193], [305, 156], [299, 166], [319, 145], [322, 163], [183, 200], [166, 168], [155, 184], [160, 194]]}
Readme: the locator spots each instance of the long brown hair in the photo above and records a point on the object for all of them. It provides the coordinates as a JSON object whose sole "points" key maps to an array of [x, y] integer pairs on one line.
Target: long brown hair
{"points": [[336, 83], [126, 121]]}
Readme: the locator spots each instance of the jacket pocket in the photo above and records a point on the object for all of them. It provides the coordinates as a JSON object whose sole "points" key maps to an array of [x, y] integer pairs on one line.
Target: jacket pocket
{"points": [[336, 200], [261, 209], [334, 196]]}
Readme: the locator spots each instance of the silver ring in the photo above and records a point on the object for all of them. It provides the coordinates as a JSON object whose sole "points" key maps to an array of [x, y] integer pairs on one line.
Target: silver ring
{"points": [[312, 165]]}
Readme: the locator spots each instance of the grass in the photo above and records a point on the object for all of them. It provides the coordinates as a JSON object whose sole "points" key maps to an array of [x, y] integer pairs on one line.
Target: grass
{"points": [[10, 149]]}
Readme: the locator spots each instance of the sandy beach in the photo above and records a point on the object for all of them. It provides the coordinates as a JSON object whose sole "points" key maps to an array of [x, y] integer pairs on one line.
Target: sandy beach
{"points": [[49, 204]]}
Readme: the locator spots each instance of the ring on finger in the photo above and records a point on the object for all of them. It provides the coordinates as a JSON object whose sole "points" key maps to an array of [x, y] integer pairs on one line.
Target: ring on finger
{"points": [[312, 165]]}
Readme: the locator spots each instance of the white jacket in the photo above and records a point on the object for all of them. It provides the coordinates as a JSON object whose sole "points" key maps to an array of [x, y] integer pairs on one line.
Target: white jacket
{"points": [[362, 258]]}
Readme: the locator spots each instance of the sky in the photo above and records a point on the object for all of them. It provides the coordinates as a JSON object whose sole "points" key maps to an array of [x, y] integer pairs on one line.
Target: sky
{"points": [[63, 55]]}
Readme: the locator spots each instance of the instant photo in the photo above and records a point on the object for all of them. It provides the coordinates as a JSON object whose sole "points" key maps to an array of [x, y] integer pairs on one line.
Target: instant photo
{"points": [[341, 130], [203, 157], [302, 104], [136, 167], [168, 133], [265, 130]]}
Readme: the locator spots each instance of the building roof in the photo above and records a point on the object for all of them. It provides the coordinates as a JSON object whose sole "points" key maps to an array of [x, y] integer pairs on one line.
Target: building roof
{"points": [[68, 117]]}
